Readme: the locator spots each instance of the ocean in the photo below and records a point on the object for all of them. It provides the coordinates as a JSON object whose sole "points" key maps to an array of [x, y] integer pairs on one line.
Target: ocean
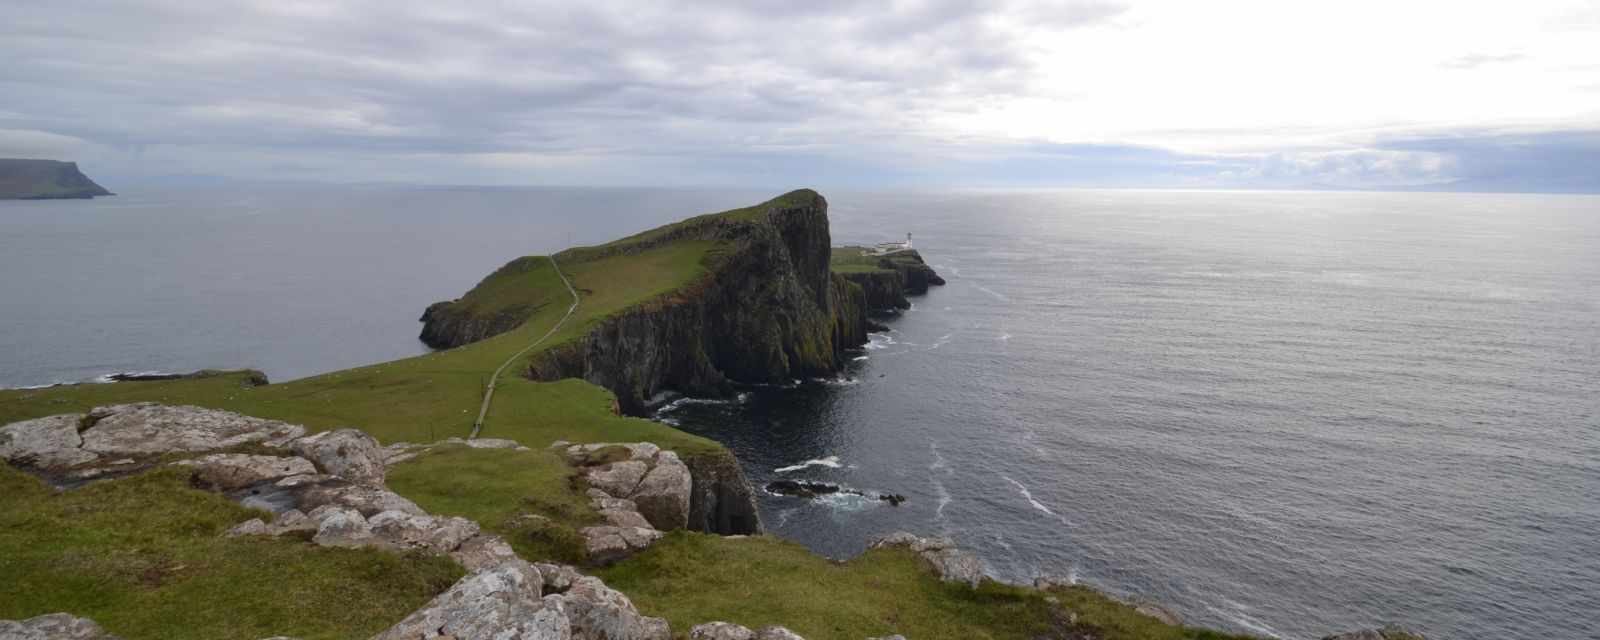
{"points": [[1286, 413]]}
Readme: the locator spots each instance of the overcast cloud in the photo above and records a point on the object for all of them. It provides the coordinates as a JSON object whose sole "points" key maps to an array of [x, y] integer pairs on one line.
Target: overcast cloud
{"points": [[769, 93]]}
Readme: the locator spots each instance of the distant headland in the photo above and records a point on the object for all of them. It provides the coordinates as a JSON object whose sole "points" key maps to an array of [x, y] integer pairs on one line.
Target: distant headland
{"points": [[24, 179]]}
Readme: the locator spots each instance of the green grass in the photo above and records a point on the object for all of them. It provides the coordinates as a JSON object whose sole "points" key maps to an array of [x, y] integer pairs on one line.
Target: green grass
{"points": [[498, 488], [850, 259], [144, 557], [761, 581]]}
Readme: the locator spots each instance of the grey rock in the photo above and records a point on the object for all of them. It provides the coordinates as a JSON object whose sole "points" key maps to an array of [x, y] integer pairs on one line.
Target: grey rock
{"points": [[251, 527], [558, 577], [53, 626], [483, 551], [45, 443], [312, 492], [429, 533], [347, 453], [948, 562], [598, 612], [230, 471], [618, 478], [663, 493], [494, 443], [893, 637], [340, 527], [720, 631], [608, 544], [777, 633], [501, 602], [624, 518], [149, 429]]}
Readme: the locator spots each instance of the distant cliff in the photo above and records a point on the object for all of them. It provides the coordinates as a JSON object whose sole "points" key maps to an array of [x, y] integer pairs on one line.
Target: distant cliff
{"points": [[885, 279], [45, 180]]}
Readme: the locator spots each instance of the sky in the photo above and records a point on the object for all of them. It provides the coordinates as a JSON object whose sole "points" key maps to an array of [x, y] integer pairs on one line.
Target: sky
{"points": [[1491, 95]]}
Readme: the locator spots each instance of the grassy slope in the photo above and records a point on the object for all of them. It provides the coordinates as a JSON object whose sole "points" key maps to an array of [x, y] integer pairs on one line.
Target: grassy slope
{"points": [[849, 259], [144, 557]]}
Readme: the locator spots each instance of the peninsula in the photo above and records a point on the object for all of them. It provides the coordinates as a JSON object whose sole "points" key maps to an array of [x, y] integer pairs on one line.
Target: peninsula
{"points": [[354, 504], [22, 179]]}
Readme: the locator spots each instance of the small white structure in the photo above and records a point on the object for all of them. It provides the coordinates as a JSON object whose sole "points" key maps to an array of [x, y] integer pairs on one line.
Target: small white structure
{"points": [[891, 247]]}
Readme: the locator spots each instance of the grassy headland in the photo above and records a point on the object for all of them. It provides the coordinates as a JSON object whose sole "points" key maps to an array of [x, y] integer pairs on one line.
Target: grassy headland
{"points": [[116, 533]]}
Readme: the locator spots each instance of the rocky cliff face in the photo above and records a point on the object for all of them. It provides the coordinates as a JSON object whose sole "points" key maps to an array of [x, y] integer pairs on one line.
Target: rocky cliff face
{"points": [[768, 310], [44, 180]]}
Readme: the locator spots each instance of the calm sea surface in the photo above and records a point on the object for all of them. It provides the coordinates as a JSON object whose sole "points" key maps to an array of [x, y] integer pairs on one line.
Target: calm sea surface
{"points": [[1284, 413]]}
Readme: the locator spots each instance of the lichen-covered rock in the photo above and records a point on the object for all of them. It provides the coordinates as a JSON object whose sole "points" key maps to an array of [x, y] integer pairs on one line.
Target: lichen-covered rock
{"points": [[618, 478], [315, 491], [948, 562], [429, 533], [558, 577], [777, 633], [149, 428], [347, 453], [608, 544], [53, 626], [720, 631], [483, 551], [663, 494], [340, 527], [502, 602], [46, 443], [599, 612], [230, 471]]}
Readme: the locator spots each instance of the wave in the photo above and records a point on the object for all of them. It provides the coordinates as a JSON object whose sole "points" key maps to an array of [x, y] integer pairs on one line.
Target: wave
{"points": [[831, 462], [840, 381], [1235, 614], [997, 295], [1028, 495], [859, 358]]}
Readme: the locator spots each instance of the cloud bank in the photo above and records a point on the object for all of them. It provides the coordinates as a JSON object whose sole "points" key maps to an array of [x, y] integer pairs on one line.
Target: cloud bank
{"points": [[937, 92]]}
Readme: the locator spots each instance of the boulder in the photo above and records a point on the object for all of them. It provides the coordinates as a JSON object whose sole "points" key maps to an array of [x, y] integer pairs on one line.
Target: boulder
{"points": [[720, 631], [558, 577], [231, 471], [340, 527], [663, 494], [148, 428], [45, 443], [950, 563], [893, 637], [495, 443], [483, 551], [497, 602], [311, 492], [608, 544], [347, 453], [777, 633], [598, 612], [429, 533], [618, 478], [53, 626], [625, 518]]}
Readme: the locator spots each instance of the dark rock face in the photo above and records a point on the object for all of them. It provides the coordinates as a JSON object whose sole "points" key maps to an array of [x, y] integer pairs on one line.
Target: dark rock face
{"points": [[721, 500], [769, 310], [22, 179], [882, 289]]}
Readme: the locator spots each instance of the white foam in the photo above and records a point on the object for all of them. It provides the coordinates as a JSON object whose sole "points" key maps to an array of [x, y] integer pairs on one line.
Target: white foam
{"points": [[840, 381], [944, 499], [684, 401], [831, 462], [997, 296], [859, 358], [1036, 504]]}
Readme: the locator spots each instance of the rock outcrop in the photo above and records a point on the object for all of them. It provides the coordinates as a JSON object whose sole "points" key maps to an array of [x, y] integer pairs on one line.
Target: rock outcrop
{"points": [[638, 488], [730, 631], [24, 179], [53, 626], [940, 554]]}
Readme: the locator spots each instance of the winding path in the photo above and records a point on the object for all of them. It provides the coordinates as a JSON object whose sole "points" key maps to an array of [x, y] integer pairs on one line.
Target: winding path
{"points": [[488, 393]]}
